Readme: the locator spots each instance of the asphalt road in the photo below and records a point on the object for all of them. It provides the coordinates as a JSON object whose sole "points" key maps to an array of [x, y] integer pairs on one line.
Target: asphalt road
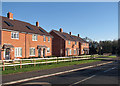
{"points": [[106, 75]]}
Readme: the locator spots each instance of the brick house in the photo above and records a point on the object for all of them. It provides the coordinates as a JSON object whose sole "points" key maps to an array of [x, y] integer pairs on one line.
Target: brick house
{"points": [[22, 40], [64, 44]]}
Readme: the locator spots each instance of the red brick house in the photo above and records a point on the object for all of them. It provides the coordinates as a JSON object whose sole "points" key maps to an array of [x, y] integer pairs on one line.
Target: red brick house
{"points": [[64, 44], [22, 40]]}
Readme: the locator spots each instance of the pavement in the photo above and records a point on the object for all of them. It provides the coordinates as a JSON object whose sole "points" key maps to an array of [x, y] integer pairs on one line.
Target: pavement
{"points": [[104, 75]]}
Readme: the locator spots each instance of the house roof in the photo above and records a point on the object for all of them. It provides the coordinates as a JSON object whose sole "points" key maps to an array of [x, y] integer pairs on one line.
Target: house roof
{"points": [[67, 36], [21, 26]]}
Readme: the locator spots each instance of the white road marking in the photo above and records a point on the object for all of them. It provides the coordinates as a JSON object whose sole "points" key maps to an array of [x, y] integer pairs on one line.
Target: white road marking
{"points": [[44, 76], [110, 69], [83, 80]]}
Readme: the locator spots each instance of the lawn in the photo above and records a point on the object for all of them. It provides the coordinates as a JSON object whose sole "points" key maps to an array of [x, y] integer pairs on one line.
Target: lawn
{"points": [[26, 68]]}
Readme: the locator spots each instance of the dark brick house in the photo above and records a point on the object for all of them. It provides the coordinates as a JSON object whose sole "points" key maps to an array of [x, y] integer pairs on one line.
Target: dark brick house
{"points": [[64, 44]]}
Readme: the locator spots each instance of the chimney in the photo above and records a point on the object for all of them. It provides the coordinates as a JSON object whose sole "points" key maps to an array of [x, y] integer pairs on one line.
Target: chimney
{"points": [[10, 15], [70, 33], [61, 30], [37, 24], [78, 35]]}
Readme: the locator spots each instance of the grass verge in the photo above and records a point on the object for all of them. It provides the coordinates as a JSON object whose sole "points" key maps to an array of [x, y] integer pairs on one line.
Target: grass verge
{"points": [[26, 68]]}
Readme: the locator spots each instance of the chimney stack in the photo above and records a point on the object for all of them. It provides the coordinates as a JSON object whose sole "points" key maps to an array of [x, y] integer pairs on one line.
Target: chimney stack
{"points": [[78, 35], [10, 15], [70, 33], [61, 30], [37, 24]]}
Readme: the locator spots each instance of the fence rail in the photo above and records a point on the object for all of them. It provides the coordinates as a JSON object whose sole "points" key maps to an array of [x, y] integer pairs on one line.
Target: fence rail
{"points": [[21, 62]]}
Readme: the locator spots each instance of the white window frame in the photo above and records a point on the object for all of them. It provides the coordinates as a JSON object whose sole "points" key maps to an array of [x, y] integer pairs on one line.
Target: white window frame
{"points": [[47, 50], [48, 39], [44, 38], [69, 42], [34, 37], [70, 52], [17, 49], [13, 33], [30, 51]]}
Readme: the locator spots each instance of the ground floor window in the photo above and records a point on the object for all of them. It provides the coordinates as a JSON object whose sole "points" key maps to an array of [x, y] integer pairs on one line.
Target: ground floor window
{"points": [[74, 51], [18, 52], [48, 50], [70, 51], [32, 51]]}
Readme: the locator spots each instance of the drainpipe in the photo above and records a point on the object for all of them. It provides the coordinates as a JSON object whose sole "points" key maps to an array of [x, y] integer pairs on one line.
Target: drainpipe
{"points": [[25, 45]]}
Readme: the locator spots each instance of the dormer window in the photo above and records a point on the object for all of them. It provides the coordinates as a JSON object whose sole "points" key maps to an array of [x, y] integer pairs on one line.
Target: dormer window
{"points": [[34, 37], [14, 35]]}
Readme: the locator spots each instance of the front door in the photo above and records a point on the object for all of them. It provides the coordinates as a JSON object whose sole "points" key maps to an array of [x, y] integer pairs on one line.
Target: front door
{"points": [[7, 53], [39, 52], [66, 52], [43, 52]]}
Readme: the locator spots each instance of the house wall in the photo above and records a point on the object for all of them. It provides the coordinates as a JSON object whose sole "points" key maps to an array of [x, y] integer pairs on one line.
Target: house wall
{"points": [[71, 46], [83, 45], [24, 41], [0, 43], [58, 45]]}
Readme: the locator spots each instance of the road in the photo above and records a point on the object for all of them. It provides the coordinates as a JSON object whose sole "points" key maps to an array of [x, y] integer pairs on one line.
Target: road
{"points": [[105, 75]]}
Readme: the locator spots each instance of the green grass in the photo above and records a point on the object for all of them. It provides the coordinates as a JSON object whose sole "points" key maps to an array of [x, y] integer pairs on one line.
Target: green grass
{"points": [[11, 70], [109, 56]]}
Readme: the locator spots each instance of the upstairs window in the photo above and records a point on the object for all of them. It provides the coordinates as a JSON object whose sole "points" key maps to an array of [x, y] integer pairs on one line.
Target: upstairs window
{"points": [[75, 43], [15, 35], [48, 39], [44, 38], [69, 42], [34, 37]]}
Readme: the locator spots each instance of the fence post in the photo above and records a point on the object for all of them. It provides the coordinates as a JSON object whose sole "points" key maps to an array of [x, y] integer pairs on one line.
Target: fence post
{"points": [[57, 59], [20, 63], [71, 58], [34, 62], [3, 65]]}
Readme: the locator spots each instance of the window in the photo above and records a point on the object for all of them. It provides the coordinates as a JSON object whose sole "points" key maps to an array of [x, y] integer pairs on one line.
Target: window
{"points": [[48, 50], [70, 51], [29, 27], [34, 37], [15, 35], [42, 30], [44, 38], [18, 52], [69, 42], [75, 43], [32, 51], [8, 23], [74, 51], [48, 39]]}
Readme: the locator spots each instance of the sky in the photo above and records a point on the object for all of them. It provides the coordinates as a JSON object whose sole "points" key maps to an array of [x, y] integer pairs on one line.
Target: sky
{"points": [[95, 20]]}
